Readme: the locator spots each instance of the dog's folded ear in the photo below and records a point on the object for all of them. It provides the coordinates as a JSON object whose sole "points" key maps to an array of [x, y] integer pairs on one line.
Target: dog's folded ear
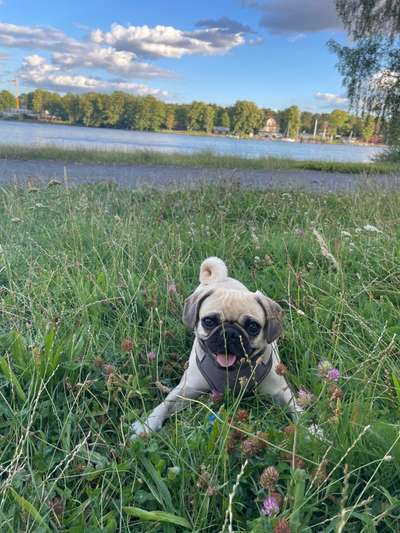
{"points": [[273, 316], [192, 306]]}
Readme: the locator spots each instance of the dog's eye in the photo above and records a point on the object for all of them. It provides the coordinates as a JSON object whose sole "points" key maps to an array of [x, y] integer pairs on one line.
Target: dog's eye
{"points": [[209, 322], [253, 328]]}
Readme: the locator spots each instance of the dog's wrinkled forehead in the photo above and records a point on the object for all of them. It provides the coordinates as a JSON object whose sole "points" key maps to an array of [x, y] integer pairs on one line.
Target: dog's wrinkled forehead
{"points": [[231, 305]]}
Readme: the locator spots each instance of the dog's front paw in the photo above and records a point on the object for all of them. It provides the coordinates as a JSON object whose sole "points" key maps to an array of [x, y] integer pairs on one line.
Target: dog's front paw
{"points": [[140, 430], [143, 429]]}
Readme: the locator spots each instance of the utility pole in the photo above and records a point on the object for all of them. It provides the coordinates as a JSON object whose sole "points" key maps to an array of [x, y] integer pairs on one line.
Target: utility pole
{"points": [[315, 127], [16, 81], [288, 129]]}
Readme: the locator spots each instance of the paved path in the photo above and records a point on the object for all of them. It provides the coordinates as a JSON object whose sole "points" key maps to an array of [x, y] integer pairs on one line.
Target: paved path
{"points": [[22, 172]]}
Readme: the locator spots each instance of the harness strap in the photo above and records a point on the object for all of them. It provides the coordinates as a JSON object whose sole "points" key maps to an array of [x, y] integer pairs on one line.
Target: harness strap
{"points": [[244, 376]]}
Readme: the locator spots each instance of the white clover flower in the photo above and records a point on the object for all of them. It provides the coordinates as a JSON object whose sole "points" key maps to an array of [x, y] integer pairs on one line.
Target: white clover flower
{"points": [[371, 228]]}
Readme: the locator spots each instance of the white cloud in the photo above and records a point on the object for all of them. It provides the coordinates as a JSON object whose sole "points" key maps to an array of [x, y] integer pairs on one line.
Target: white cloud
{"points": [[332, 99], [37, 37], [167, 41], [37, 72], [117, 52], [72, 53], [115, 61]]}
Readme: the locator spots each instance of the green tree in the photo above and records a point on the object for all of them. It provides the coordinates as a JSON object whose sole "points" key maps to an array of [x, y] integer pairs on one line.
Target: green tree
{"points": [[141, 117], [294, 118], [208, 117], [307, 122], [26, 99], [144, 113], [169, 122], [246, 117], [38, 100], [156, 110], [7, 100], [73, 109], [128, 117], [115, 109], [54, 104], [182, 117], [196, 116], [41, 101], [368, 128], [222, 117], [94, 109], [225, 120], [338, 122], [371, 66], [355, 126], [290, 121]]}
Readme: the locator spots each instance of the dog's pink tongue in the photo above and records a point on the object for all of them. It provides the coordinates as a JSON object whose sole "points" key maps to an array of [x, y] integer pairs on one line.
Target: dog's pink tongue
{"points": [[225, 360]]}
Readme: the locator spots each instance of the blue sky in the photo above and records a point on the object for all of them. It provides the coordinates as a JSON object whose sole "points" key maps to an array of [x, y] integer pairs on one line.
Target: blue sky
{"points": [[271, 51]]}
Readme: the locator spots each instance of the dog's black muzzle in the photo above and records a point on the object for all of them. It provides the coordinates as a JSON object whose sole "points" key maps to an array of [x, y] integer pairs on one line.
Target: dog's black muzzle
{"points": [[228, 338], [227, 360]]}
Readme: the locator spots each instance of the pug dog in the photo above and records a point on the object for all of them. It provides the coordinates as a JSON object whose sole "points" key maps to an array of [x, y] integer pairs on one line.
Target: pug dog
{"points": [[235, 346]]}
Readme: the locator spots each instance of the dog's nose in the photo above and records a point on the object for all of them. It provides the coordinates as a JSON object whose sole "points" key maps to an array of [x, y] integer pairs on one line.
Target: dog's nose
{"points": [[231, 334]]}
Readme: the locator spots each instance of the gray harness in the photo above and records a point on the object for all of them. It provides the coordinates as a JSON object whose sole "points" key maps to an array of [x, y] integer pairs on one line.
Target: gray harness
{"points": [[242, 377]]}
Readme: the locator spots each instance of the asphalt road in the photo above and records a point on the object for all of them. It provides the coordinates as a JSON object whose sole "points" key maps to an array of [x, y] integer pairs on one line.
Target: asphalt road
{"points": [[41, 172]]}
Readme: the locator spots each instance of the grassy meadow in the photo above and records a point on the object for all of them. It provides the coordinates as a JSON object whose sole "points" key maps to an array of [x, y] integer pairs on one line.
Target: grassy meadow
{"points": [[386, 165], [92, 284]]}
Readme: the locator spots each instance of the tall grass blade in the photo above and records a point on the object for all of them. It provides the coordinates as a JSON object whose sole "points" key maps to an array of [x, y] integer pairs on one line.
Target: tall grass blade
{"points": [[29, 508], [157, 516], [12, 378]]}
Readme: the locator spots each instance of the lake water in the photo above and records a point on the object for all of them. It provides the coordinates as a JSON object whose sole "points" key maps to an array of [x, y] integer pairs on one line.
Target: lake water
{"points": [[34, 134]]}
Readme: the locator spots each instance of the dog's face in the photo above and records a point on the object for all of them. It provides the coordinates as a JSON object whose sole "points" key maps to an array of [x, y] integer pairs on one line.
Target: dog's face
{"points": [[232, 324]]}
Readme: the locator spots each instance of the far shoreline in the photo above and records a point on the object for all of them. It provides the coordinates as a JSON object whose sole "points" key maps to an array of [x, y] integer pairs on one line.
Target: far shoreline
{"points": [[193, 133]]}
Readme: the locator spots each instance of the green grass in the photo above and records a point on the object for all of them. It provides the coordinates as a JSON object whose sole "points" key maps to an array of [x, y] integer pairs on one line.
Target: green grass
{"points": [[83, 269], [391, 155], [201, 159]]}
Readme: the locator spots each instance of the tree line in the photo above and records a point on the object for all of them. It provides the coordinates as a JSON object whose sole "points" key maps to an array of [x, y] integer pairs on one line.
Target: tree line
{"points": [[147, 113]]}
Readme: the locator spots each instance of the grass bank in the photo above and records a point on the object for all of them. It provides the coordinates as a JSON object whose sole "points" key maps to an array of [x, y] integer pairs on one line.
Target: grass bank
{"points": [[391, 155], [202, 159], [93, 279]]}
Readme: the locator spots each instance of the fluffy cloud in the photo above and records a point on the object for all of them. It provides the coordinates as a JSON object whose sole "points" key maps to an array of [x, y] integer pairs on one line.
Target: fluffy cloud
{"points": [[71, 53], [36, 71], [118, 52], [37, 37], [117, 62], [167, 41], [297, 16], [332, 99]]}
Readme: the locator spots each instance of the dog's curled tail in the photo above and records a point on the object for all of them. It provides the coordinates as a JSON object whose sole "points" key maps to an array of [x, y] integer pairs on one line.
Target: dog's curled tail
{"points": [[213, 270]]}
